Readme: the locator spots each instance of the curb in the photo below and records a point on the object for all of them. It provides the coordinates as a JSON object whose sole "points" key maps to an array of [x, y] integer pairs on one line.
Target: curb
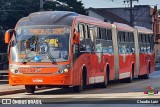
{"points": [[18, 91]]}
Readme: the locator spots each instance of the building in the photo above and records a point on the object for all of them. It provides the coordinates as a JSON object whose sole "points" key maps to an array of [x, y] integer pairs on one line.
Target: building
{"points": [[157, 45]]}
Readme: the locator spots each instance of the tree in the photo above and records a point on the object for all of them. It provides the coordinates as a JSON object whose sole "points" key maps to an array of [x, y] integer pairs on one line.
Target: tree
{"points": [[67, 5], [159, 11], [12, 10]]}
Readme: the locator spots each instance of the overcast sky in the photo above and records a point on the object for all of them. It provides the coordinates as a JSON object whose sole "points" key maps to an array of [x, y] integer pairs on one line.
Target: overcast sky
{"points": [[117, 3]]}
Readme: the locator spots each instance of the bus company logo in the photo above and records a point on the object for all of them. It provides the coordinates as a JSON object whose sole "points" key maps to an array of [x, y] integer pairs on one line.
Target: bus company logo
{"points": [[29, 70], [150, 90]]}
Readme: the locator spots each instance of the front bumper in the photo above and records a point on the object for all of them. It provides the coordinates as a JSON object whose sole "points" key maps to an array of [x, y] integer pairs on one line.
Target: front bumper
{"points": [[40, 79]]}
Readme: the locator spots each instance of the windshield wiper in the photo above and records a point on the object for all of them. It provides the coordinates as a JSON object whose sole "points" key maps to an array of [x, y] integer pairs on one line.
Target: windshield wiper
{"points": [[53, 60], [26, 59]]}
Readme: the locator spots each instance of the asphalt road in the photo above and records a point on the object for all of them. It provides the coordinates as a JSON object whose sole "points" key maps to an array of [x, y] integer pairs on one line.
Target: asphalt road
{"points": [[115, 93]]}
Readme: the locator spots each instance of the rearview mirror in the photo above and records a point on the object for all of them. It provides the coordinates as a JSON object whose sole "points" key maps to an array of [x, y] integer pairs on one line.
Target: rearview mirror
{"points": [[76, 38], [8, 35]]}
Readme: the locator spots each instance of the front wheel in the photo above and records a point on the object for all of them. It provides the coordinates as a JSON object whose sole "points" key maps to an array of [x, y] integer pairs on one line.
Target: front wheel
{"points": [[80, 87], [30, 89]]}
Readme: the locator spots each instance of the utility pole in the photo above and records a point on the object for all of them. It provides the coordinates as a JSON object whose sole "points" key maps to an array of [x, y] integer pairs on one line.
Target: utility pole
{"points": [[131, 12]]}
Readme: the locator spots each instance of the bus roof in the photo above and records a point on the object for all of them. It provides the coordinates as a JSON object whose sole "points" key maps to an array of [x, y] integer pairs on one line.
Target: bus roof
{"points": [[58, 18], [92, 20], [48, 18], [123, 27], [143, 30]]}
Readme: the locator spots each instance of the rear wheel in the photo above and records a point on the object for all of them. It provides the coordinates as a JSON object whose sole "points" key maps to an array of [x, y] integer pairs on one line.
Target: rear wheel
{"points": [[30, 89], [146, 76], [105, 83], [130, 79]]}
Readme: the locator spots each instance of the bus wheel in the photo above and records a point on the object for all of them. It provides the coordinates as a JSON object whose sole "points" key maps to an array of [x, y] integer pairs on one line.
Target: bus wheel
{"points": [[30, 89], [105, 83], [146, 76], [130, 79], [80, 87]]}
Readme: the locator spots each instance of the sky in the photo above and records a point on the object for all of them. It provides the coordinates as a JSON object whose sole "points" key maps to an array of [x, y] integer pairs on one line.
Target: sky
{"points": [[117, 3]]}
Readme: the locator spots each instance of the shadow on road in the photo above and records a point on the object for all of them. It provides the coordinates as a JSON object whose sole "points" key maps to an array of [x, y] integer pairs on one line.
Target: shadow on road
{"points": [[113, 87]]}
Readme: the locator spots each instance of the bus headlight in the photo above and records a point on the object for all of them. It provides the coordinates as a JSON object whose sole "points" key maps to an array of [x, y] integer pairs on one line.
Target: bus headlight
{"points": [[13, 69], [63, 71]]}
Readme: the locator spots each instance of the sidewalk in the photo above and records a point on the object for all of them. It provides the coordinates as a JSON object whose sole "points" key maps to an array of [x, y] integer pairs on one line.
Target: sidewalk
{"points": [[6, 89]]}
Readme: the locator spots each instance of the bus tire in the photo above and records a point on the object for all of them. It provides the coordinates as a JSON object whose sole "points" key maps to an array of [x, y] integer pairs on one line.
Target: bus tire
{"points": [[146, 76], [30, 89], [128, 80], [80, 87], [105, 83]]}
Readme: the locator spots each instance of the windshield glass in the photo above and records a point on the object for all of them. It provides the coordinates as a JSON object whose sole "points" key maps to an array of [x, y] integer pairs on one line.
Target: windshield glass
{"points": [[41, 44]]}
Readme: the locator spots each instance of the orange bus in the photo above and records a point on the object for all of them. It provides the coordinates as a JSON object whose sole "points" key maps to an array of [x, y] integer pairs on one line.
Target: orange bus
{"points": [[66, 49]]}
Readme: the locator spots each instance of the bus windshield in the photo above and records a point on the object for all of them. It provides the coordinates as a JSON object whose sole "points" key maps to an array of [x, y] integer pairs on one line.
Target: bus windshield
{"points": [[41, 44]]}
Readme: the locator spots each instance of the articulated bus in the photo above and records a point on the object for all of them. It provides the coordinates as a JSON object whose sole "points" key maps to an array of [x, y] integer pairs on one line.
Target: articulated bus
{"points": [[66, 49]]}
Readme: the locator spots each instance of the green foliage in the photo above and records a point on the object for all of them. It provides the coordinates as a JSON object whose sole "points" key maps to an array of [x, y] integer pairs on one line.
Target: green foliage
{"points": [[12, 10], [159, 11]]}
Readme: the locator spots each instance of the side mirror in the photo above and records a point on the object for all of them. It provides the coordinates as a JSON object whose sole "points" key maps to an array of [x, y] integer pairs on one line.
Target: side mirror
{"points": [[8, 35], [76, 38]]}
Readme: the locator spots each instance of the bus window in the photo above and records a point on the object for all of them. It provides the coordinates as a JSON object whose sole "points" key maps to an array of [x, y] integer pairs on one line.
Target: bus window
{"points": [[140, 43], [122, 45], [81, 30], [127, 42], [98, 46], [92, 31], [144, 42], [88, 45], [87, 31], [109, 34], [103, 32], [85, 41], [104, 41], [148, 44], [109, 41], [131, 37], [98, 33], [82, 37]]}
